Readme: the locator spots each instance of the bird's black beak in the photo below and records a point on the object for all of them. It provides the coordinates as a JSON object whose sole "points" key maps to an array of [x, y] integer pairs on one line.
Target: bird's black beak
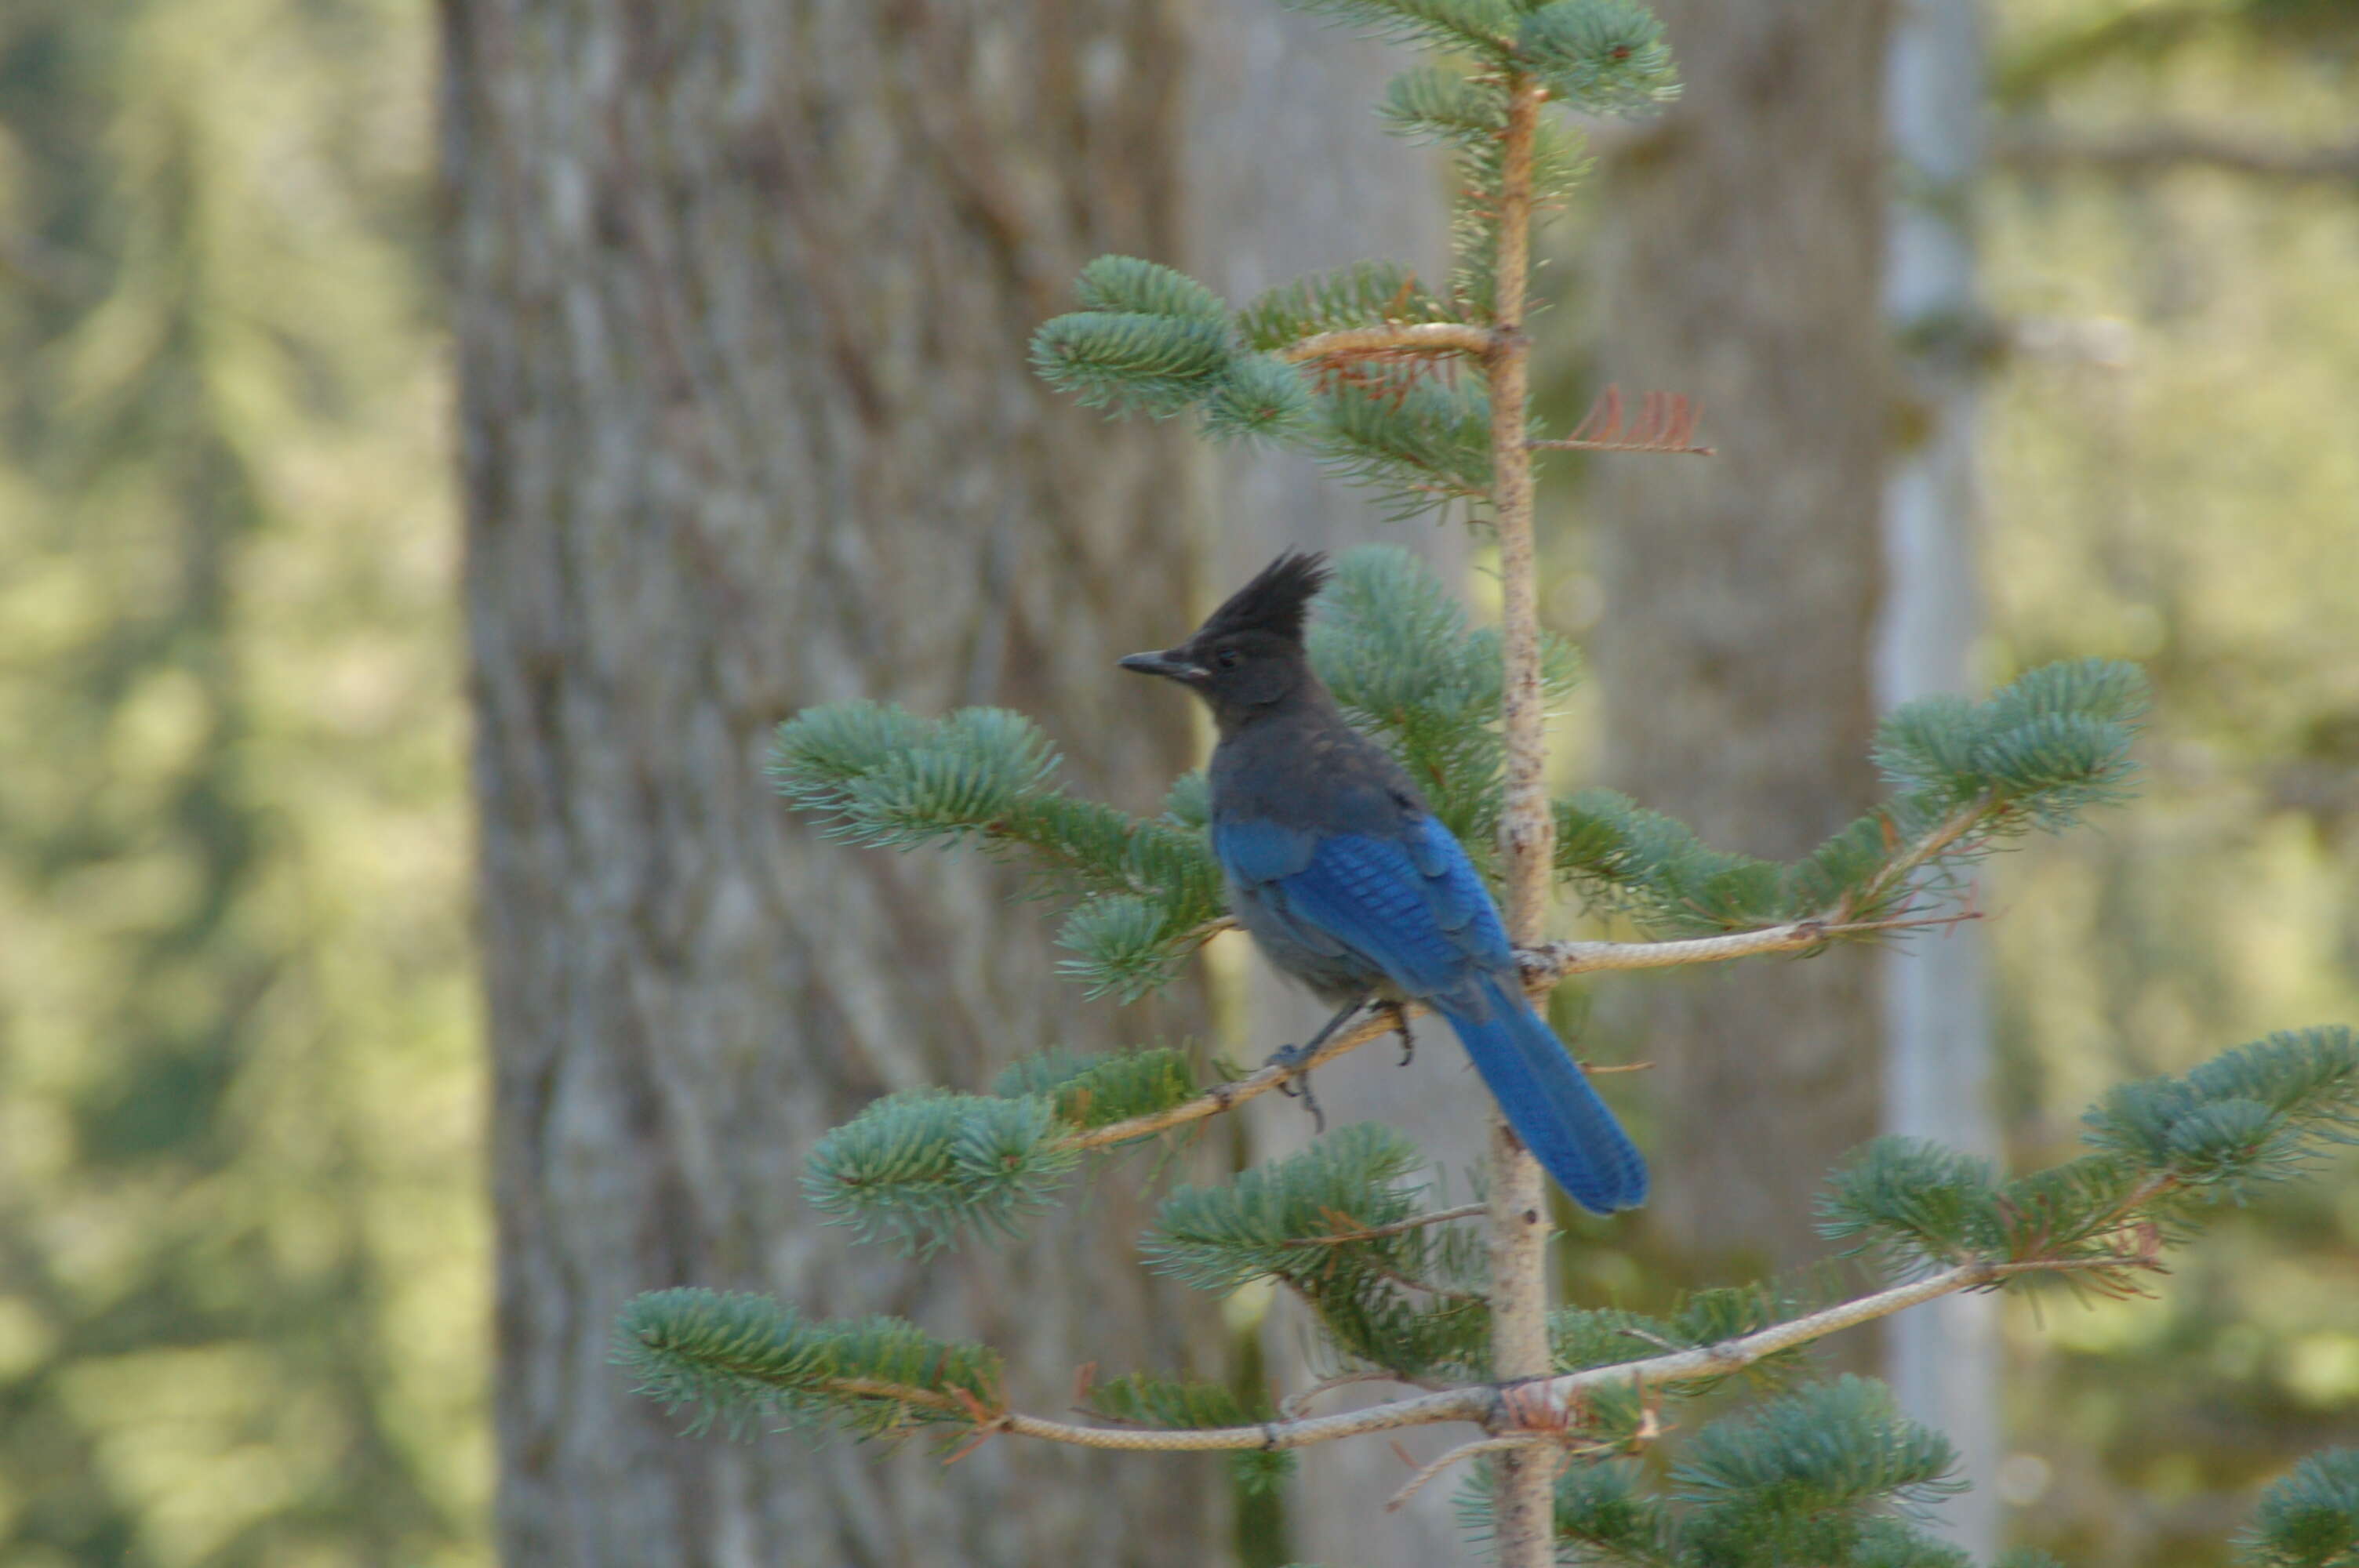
{"points": [[1164, 664]]}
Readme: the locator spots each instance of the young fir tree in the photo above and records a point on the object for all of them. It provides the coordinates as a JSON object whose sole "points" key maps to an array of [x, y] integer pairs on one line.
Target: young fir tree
{"points": [[1417, 391]]}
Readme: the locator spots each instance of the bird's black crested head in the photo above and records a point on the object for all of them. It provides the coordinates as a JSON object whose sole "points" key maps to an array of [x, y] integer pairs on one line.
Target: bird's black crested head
{"points": [[1275, 601], [1248, 655]]}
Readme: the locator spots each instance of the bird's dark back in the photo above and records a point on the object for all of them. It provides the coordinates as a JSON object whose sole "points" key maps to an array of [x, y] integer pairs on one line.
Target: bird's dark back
{"points": [[1298, 763]]}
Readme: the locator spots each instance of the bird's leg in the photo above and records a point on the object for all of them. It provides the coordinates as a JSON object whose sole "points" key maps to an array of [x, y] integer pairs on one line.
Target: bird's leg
{"points": [[1296, 1057], [1399, 1012]]}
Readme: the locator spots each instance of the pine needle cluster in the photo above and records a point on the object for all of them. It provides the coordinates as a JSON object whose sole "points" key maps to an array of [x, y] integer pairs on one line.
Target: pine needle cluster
{"points": [[1965, 777], [743, 1362], [1834, 1475], [926, 1168], [875, 775], [1326, 1223], [2162, 1149]]}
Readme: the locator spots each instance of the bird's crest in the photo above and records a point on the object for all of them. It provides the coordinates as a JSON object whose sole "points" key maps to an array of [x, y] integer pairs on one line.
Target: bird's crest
{"points": [[1275, 601]]}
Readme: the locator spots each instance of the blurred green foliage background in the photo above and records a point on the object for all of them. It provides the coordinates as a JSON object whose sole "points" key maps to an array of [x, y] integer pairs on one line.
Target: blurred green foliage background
{"points": [[243, 1240], [2171, 477], [244, 1292]]}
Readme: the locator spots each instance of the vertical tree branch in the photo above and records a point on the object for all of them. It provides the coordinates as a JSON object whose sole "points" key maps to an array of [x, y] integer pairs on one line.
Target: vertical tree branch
{"points": [[1519, 1224]]}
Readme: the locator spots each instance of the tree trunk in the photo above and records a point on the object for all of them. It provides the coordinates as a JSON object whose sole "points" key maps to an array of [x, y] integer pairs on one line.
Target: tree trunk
{"points": [[742, 294], [1943, 1358], [1744, 233]]}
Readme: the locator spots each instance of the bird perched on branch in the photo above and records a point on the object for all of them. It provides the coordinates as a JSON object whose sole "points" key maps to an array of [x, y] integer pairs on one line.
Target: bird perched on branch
{"points": [[1349, 883]]}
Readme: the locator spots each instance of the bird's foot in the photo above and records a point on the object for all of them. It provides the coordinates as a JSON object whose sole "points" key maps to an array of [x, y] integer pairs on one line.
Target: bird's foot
{"points": [[1399, 1015], [1296, 1060]]}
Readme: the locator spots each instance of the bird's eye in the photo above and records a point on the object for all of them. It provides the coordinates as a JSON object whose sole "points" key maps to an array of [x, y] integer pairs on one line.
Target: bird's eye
{"points": [[1226, 658]]}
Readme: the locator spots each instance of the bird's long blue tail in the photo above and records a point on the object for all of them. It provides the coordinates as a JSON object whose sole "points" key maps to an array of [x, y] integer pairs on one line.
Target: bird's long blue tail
{"points": [[1547, 1101]]}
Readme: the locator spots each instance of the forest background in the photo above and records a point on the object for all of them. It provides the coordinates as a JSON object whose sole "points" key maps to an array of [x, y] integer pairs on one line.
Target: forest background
{"points": [[245, 1250]]}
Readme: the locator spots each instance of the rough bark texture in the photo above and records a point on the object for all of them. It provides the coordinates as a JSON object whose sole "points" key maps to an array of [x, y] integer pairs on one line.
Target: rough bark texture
{"points": [[742, 296], [1743, 235]]}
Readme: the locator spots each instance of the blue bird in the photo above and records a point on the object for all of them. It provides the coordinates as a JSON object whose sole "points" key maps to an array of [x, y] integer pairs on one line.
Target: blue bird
{"points": [[1347, 881]]}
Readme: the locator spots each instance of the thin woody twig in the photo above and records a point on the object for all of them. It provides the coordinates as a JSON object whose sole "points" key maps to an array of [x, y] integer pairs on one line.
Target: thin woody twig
{"points": [[1408, 337], [1463, 1451], [1294, 1404], [1440, 1217]]}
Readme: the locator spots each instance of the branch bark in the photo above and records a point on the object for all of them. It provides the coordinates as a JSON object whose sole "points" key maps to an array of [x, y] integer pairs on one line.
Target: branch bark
{"points": [[1412, 338]]}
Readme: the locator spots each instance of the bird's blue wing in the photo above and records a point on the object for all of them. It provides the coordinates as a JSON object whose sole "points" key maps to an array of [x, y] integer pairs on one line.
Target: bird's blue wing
{"points": [[1261, 851], [1411, 906], [1454, 888]]}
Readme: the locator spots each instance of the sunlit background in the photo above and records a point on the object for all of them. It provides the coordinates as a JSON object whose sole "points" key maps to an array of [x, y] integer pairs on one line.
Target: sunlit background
{"points": [[243, 1284]]}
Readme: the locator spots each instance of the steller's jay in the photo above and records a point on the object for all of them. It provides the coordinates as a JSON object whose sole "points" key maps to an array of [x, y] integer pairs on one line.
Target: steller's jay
{"points": [[1348, 883]]}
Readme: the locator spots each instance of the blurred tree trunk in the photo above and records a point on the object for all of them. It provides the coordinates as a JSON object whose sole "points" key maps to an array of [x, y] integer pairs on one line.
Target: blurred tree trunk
{"points": [[1740, 263], [1942, 1359], [743, 293]]}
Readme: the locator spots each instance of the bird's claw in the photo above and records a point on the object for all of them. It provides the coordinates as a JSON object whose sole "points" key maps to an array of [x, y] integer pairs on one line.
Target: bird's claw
{"points": [[1400, 1027], [1296, 1060]]}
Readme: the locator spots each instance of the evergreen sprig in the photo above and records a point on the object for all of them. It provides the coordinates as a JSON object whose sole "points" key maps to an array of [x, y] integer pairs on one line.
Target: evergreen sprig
{"points": [[1090, 1090], [1966, 777], [1608, 57], [1366, 294], [929, 1168], [1416, 442], [1399, 1302], [735, 1359], [1126, 286], [1398, 652], [1827, 1475], [1468, 114], [1834, 1475], [878, 775], [1604, 1513], [1807, 1477], [2164, 1148], [2310, 1518], [2257, 1113], [1133, 363], [1486, 29], [1585, 1337]]}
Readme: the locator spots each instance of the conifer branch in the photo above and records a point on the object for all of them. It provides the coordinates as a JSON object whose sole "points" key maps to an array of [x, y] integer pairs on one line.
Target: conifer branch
{"points": [[1544, 1405]]}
